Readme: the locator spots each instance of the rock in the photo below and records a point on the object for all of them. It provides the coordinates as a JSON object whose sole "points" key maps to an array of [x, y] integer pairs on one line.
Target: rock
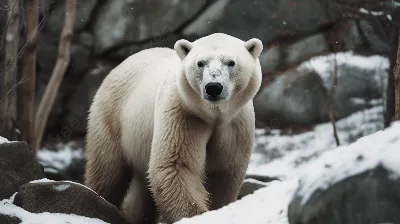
{"points": [[287, 55], [66, 197], [252, 183], [18, 166], [47, 57], [77, 106], [350, 35], [368, 197], [5, 219], [357, 183], [86, 39], [299, 96], [265, 179], [249, 186], [295, 97], [374, 37], [266, 20], [370, 84], [271, 59], [84, 9], [167, 41], [120, 21], [305, 48]]}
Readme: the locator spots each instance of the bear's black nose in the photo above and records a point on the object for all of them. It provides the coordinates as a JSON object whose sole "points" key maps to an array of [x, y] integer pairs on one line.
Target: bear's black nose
{"points": [[214, 89]]}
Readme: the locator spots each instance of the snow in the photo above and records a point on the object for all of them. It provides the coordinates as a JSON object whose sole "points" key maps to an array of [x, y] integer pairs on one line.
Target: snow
{"points": [[54, 161], [374, 13], [266, 205], [43, 180], [62, 187], [324, 65], [282, 155], [3, 140], [381, 148], [269, 204]]}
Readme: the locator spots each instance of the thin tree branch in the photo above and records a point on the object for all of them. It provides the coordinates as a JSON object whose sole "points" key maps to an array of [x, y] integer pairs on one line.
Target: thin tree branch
{"points": [[330, 100], [396, 76], [61, 66]]}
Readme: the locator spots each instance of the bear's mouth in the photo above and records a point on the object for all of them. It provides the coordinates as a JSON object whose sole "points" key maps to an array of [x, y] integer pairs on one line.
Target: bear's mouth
{"points": [[213, 99]]}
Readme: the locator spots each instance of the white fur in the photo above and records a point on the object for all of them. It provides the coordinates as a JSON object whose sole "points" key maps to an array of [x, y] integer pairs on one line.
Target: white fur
{"points": [[150, 113]]}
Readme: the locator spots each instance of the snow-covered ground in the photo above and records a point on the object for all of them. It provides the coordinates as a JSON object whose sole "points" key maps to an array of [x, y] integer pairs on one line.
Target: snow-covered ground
{"points": [[270, 204], [288, 157], [282, 155], [56, 160]]}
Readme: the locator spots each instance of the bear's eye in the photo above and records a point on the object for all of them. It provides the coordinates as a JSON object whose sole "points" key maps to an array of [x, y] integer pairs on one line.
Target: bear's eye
{"points": [[231, 63], [200, 64]]}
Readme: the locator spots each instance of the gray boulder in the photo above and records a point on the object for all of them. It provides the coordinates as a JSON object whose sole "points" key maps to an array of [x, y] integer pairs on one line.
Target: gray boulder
{"points": [[68, 198], [18, 165], [125, 21], [298, 96], [56, 14], [266, 20], [367, 198]]}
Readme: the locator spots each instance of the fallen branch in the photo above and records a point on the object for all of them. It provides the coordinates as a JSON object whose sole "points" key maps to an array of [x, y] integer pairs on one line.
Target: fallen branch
{"points": [[59, 70]]}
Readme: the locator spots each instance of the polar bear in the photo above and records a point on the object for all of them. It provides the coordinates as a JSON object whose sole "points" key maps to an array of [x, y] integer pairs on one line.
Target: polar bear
{"points": [[170, 132]]}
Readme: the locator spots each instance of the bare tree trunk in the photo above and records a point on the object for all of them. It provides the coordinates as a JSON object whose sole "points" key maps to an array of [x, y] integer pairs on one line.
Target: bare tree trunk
{"points": [[30, 72], [396, 76], [330, 101], [58, 73], [8, 90]]}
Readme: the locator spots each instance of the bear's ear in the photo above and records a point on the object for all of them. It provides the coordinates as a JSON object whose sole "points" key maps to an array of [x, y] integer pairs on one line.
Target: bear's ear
{"points": [[254, 46], [182, 48]]}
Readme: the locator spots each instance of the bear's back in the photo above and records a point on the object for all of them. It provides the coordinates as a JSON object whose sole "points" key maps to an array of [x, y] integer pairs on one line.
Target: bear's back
{"points": [[127, 97]]}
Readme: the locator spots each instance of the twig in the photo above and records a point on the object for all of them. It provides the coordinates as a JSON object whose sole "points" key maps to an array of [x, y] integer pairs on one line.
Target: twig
{"points": [[396, 76], [57, 75], [15, 86], [330, 100]]}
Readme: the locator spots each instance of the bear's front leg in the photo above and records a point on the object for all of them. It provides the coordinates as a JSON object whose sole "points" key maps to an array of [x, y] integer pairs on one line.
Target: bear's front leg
{"points": [[176, 167], [228, 156]]}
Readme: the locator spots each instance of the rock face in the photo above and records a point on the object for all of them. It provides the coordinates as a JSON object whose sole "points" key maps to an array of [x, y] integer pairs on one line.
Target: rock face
{"points": [[266, 20], [18, 166], [294, 97], [122, 21], [68, 198], [370, 197]]}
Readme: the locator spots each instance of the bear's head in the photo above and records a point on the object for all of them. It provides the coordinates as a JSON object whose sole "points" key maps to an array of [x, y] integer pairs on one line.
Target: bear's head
{"points": [[220, 69]]}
